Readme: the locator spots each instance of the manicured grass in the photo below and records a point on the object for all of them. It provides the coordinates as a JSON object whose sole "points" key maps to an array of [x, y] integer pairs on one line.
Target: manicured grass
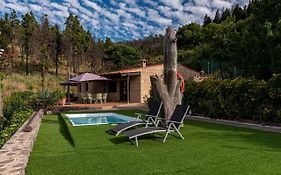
{"points": [[207, 149]]}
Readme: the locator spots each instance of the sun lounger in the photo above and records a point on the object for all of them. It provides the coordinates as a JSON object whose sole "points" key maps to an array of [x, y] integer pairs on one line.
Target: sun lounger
{"points": [[150, 118], [173, 125]]}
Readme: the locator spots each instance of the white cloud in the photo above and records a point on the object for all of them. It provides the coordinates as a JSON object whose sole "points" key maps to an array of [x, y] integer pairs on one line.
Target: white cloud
{"points": [[35, 7], [176, 4], [221, 4], [122, 19], [198, 10]]}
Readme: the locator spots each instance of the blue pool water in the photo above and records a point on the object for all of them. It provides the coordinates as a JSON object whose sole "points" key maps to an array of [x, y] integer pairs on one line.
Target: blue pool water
{"points": [[98, 118]]}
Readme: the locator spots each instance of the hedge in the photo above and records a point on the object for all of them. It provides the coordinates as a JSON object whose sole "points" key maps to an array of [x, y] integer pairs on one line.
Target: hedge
{"points": [[240, 98]]}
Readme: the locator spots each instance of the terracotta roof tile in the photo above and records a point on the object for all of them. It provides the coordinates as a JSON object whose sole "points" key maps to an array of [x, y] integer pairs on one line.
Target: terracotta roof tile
{"points": [[130, 70]]}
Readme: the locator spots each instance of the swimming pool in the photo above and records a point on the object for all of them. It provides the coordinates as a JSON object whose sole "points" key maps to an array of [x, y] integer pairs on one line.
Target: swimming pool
{"points": [[98, 118]]}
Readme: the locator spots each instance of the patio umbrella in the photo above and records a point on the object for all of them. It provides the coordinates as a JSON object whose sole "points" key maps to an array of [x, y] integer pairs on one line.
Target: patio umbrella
{"points": [[89, 77]]}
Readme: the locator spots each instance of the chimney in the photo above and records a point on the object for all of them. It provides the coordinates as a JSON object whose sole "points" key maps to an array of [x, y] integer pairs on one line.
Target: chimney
{"points": [[143, 63]]}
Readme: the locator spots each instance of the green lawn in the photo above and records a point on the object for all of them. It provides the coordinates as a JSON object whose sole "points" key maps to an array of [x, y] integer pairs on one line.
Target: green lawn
{"points": [[207, 149]]}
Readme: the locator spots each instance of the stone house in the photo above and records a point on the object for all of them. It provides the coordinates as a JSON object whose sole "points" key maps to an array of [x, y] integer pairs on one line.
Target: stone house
{"points": [[131, 85]]}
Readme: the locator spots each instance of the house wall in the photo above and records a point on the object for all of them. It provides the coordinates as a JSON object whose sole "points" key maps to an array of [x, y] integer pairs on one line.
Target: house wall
{"points": [[93, 87], [145, 80], [186, 73], [115, 96], [135, 89], [97, 86]]}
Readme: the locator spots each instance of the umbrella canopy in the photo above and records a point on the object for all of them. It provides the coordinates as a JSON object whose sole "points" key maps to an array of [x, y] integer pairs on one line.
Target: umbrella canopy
{"points": [[89, 77], [69, 83]]}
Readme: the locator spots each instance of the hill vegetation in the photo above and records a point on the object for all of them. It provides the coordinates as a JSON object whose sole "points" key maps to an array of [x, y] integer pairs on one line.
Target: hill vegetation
{"points": [[241, 41]]}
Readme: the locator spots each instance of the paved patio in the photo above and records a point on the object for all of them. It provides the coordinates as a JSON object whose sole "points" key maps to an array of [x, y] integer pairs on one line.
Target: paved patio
{"points": [[109, 106]]}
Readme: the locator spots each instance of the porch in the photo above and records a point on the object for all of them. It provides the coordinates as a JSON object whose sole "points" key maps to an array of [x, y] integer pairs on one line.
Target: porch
{"points": [[105, 106]]}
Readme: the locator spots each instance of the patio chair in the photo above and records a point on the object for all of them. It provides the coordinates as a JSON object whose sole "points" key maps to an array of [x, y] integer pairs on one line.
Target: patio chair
{"points": [[89, 98], [98, 98], [150, 118], [173, 125], [82, 98], [104, 97]]}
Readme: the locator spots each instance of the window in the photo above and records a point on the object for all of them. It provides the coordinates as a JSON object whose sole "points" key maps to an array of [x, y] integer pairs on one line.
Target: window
{"points": [[112, 86]]}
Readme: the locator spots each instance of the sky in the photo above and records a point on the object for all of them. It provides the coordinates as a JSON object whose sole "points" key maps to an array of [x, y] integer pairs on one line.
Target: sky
{"points": [[121, 19]]}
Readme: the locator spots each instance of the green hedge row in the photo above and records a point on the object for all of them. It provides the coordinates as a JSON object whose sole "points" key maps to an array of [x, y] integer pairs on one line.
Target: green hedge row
{"points": [[240, 98]]}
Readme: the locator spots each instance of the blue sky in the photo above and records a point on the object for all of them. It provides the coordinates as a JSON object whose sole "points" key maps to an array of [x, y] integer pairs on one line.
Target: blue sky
{"points": [[121, 19]]}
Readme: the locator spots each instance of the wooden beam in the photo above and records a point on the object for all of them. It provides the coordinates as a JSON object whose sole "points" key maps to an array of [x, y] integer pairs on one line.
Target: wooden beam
{"points": [[128, 89]]}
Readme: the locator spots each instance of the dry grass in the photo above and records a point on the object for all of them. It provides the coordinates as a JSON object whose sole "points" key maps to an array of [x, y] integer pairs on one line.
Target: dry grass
{"points": [[18, 82]]}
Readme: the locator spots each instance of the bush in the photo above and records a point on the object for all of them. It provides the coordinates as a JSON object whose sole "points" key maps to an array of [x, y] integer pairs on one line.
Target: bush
{"points": [[236, 99], [18, 101], [19, 107], [13, 124], [45, 99]]}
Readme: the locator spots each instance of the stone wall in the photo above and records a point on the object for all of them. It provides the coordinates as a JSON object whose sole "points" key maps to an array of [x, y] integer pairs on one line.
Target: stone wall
{"points": [[186, 72], [15, 153], [145, 80]]}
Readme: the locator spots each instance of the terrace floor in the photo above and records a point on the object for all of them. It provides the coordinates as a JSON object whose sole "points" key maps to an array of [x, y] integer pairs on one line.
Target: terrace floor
{"points": [[207, 149], [109, 105]]}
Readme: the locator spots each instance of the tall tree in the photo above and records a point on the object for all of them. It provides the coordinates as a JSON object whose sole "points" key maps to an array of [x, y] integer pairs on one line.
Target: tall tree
{"points": [[238, 13], [108, 42], [28, 25], [122, 56], [74, 40], [225, 14], [217, 18], [56, 46], [99, 50], [44, 38], [168, 88], [207, 20]]}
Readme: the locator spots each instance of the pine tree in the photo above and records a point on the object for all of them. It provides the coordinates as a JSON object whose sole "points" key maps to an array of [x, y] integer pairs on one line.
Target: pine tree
{"points": [[226, 13], [207, 20], [28, 26], [217, 18], [238, 13], [57, 46]]}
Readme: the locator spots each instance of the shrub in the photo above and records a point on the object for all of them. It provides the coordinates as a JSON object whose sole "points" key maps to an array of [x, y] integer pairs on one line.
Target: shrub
{"points": [[45, 99], [18, 108], [236, 99], [18, 101], [13, 124]]}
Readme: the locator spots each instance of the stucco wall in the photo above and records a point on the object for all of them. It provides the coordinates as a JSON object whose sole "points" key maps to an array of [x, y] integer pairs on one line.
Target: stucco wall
{"points": [[135, 89], [115, 96], [93, 87], [186, 72]]}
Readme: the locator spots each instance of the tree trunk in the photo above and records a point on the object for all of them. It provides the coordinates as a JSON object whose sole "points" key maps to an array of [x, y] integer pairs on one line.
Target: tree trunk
{"points": [[57, 64], [26, 60], [167, 89]]}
